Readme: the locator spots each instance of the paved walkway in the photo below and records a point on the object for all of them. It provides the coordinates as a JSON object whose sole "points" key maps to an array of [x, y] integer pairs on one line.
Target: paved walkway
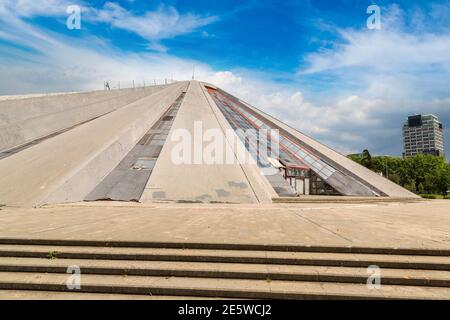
{"points": [[400, 225]]}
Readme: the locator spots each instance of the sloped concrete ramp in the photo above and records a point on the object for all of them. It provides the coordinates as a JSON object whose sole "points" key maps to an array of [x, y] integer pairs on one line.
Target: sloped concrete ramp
{"points": [[66, 167], [25, 120], [197, 181], [128, 180]]}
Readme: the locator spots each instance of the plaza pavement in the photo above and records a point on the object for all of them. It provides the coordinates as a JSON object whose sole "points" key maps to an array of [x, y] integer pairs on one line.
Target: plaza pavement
{"points": [[384, 225]]}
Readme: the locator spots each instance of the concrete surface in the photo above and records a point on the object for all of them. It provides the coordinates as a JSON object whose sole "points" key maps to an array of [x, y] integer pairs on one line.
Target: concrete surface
{"points": [[343, 199], [227, 270], [31, 118], [68, 166], [226, 288], [55, 295], [392, 225], [224, 183], [126, 184], [33, 95], [167, 250], [222, 256]]}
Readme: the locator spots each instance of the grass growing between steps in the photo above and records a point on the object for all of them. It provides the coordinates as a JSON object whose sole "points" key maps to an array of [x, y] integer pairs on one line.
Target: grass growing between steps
{"points": [[52, 255]]}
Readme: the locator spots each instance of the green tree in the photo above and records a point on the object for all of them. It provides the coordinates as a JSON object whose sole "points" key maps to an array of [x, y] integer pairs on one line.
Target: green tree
{"points": [[421, 169], [419, 173], [443, 179], [432, 166], [395, 177], [366, 159]]}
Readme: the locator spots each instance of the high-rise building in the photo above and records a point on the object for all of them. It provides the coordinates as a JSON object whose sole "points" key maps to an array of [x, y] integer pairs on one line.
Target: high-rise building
{"points": [[423, 134]]}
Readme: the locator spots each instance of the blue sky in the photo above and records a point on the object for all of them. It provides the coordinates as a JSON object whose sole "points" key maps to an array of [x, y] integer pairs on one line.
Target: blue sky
{"points": [[312, 63]]}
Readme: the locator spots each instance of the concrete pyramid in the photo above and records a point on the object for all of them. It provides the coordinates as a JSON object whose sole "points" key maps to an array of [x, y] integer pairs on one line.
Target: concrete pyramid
{"points": [[183, 142]]}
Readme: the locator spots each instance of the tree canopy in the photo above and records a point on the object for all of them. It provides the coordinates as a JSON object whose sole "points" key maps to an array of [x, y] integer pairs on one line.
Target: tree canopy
{"points": [[421, 174]]}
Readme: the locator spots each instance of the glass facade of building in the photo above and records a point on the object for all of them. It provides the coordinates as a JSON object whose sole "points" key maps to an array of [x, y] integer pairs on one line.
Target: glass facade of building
{"points": [[290, 152]]}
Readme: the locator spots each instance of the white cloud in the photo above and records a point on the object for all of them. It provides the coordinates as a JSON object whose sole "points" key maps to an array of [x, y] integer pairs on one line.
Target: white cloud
{"points": [[30, 8], [385, 51], [60, 63], [341, 124], [400, 60], [385, 75], [165, 22], [224, 79], [351, 121]]}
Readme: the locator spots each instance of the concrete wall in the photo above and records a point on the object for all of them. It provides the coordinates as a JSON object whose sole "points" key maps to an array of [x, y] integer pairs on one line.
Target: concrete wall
{"points": [[28, 119]]}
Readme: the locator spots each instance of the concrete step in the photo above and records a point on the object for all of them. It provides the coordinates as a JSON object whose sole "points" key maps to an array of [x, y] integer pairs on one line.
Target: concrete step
{"points": [[230, 256], [228, 246], [409, 277], [344, 199], [61, 295], [208, 287]]}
